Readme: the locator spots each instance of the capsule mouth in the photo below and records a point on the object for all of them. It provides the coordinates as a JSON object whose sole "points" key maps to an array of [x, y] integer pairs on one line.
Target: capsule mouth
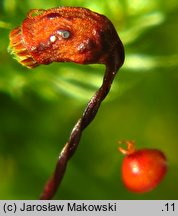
{"points": [[18, 50]]}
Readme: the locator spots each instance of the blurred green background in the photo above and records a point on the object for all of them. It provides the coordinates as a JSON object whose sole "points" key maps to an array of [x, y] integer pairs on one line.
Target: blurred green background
{"points": [[39, 107]]}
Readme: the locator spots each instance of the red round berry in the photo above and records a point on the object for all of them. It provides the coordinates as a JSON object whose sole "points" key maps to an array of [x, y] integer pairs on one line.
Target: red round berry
{"points": [[143, 170]]}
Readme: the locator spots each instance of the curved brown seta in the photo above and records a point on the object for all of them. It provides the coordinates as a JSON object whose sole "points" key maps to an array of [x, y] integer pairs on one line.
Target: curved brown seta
{"points": [[112, 66]]}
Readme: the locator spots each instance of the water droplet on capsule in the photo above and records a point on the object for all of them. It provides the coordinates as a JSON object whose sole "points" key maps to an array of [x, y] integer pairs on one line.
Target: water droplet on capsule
{"points": [[63, 33], [52, 38]]}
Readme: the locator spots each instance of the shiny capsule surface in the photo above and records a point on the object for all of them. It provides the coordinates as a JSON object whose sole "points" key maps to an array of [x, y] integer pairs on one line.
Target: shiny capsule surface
{"points": [[143, 170]]}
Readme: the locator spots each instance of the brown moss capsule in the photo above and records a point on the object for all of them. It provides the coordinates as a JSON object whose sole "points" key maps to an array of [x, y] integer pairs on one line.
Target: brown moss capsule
{"points": [[64, 34]]}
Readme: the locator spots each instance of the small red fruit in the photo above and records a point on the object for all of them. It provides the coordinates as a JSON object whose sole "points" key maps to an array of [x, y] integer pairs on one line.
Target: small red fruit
{"points": [[142, 170]]}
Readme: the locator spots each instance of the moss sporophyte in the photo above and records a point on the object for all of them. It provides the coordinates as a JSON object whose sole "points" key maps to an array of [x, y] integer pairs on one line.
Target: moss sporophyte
{"points": [[69, 34]]}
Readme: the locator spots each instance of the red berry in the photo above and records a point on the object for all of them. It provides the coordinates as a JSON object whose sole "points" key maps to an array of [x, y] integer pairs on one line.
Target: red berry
{"points": [[143, 170]]}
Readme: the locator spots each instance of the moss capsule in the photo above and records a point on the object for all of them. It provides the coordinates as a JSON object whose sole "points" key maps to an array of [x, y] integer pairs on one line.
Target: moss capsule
{"points": [[64, 34], [143, 169]]}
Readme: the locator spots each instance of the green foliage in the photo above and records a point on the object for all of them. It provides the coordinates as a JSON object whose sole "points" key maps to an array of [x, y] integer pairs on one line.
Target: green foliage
{"points": [[39, 107]]}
